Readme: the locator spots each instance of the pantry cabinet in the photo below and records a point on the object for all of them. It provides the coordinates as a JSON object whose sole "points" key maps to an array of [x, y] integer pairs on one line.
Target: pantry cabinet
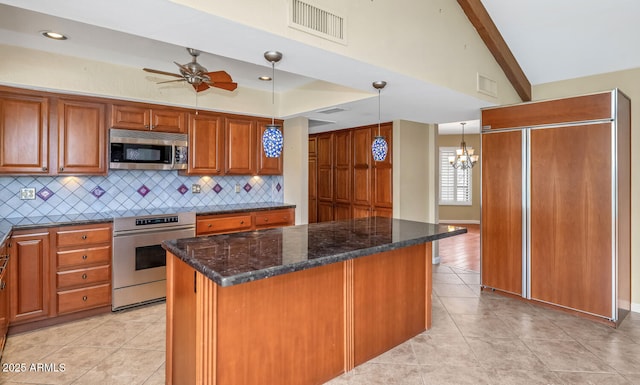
{"points": [[347, 182], [556, 195]]}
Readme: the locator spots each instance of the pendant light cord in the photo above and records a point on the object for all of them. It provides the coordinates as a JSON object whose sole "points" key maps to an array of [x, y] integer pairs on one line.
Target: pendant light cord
{"points": [[378, 112], [273, 93]]}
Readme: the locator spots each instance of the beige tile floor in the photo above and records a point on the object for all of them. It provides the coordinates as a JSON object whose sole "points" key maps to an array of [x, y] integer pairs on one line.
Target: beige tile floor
{"points": [[475, 339]]}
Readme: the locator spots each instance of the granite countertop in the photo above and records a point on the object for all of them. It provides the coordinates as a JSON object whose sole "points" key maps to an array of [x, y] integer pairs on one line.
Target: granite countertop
{"points": [[26, 223], [232, 259]]}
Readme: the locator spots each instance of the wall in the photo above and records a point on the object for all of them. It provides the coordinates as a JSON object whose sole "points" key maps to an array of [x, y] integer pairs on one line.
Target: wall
{"points": [[296, 146], [123, 190], [463, 214], [627, 82]]}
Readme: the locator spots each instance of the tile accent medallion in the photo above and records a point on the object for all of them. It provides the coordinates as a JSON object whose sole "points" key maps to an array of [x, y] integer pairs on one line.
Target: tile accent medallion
{"points": [[247, 187], [183, 189], [278, 187], [119, 191], [143, 190]]}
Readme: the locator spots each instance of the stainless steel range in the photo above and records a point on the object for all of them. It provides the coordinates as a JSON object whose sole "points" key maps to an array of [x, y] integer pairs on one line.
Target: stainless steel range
{"points": [[139, 261]]}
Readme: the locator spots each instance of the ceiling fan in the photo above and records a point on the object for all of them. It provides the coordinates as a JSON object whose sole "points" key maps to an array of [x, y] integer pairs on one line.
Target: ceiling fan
{"points": [[196, 75]]}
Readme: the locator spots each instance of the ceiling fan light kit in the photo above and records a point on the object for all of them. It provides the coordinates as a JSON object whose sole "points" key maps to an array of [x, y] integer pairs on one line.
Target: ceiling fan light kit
{"points": [[196, 75], [272, 139], [379, 147]]}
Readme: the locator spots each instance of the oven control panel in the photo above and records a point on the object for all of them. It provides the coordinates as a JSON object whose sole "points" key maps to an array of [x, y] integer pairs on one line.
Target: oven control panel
{"points": [[157, 220]]}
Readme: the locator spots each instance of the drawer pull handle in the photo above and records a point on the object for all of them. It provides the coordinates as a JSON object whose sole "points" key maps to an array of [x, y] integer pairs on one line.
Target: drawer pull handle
{"points": [[266, 219], [84, 276], [84, 257], [84, 236], [209, 225], [85, 298], [242, 222]]}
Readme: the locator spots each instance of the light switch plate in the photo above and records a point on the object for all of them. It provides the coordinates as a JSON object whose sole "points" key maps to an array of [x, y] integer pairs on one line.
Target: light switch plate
{"points": [[28, 193], [195, 188], [237, 187]]}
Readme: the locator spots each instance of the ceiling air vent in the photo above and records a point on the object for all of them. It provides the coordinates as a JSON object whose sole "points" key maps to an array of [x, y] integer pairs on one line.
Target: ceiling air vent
{"points": [[331, 110], [319, 22], [316, 122]]}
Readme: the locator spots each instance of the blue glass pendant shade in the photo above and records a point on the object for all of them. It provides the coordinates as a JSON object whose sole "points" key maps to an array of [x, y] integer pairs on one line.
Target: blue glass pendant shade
{"points": [[272, 141], [379, 148]]}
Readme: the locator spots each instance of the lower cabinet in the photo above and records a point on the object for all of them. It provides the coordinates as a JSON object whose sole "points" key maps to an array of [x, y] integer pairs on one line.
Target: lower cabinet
{"points": [[4, 296], [58, 271], [233, 223]]}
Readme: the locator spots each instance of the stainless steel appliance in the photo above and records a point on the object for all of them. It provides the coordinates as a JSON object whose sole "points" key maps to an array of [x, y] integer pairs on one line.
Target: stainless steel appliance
{"points": [[139, 261], [147, 150]]}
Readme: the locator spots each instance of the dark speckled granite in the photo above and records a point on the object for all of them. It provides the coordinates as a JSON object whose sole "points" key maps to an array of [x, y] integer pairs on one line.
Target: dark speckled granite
{"points": [[232, 259], [26, 223]]}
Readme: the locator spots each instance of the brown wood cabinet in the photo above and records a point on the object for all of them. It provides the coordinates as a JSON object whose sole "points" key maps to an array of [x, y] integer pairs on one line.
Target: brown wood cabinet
{"points": [[24, 134], [265, 165], [45, 134], [82, 137], [313, 180], [30, 276], [348, 182], [135, 116], [206, 144], [236, 222], [4, 295], [240, 146], [558, 179], [83, 267]]}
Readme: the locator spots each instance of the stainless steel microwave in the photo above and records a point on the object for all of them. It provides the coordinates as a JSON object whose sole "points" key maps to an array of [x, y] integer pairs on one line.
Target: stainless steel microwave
{"points": [[147, 150]]}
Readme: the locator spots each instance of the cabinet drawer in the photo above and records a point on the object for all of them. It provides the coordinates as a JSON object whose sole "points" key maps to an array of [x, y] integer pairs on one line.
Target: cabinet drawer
{"points": [[85, 298], [83, 236], [83, 277], [84, 257], [275, 218], [224, 224]]}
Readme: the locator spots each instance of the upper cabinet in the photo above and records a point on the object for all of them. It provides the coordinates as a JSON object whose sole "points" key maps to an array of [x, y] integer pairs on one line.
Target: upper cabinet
{"points": [[82, 137], [240, 146], [146, 117], [206, 144], [24, 134], [43, 134]]}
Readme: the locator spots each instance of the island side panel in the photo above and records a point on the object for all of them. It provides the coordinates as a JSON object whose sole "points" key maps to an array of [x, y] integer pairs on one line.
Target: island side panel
{"points": [[390, 300], [287, 329]]}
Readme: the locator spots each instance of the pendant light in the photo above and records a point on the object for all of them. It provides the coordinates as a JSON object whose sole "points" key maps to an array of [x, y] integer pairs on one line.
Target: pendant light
{"points": [[379, 146], [272, 137], [464, 158]]}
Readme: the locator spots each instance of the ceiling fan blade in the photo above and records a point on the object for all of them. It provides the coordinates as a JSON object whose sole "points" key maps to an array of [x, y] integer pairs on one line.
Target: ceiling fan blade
{"points": [[219, 76], [172, 81], [200, 87], [161, 72], [229, 86]]}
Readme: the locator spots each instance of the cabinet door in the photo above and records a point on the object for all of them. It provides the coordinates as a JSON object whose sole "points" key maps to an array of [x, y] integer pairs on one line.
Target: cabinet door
{"points": [[30, 277], [4, 296], [571, 216], [266, 166], [313, 184], [168, 120], [181, 322], [205, 144], [81, 138], [24, 134], [240, 144], [383, 172], [502, 214], [342, 167], [131, 117], [325, 177], [362, 167]]}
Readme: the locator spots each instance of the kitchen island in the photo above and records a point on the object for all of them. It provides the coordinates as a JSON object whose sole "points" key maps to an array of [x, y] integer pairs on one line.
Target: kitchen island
{"points": [[296, 305]]}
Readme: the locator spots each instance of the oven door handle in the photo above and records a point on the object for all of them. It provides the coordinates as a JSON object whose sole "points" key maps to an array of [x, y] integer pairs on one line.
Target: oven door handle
{"points": [[128, 233]]}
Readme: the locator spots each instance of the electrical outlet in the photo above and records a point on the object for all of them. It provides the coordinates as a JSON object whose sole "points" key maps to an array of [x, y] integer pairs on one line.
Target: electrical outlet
{"points": [[195, 188], [28, 193], [237, 187]]}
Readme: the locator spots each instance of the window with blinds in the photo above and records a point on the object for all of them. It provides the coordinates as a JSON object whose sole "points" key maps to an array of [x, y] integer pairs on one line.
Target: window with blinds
{"points": [[455, 185]]}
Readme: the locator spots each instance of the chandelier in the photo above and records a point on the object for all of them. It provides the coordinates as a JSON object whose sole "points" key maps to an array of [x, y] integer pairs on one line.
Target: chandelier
{"points": [[464, 158]]}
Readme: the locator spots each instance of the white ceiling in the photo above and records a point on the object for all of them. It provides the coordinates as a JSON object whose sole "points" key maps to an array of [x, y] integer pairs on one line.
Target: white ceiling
{"points": [[552, 40]]}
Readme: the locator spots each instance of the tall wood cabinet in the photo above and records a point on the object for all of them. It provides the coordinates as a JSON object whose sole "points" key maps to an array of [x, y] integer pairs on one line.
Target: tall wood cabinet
{"points": [[556, 195], [345, 179]]}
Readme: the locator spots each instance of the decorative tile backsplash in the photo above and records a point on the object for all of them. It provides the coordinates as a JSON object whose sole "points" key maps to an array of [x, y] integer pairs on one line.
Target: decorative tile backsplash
{"points": [[131, 189]]}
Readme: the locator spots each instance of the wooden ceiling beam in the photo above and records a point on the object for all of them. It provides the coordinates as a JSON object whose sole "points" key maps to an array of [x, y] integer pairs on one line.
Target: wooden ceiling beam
{"points": [[479, 17]]}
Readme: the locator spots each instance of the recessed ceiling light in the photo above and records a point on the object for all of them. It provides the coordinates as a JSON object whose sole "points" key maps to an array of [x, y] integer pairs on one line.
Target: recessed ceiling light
{"points": [[265, 78], [54, 35]]}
